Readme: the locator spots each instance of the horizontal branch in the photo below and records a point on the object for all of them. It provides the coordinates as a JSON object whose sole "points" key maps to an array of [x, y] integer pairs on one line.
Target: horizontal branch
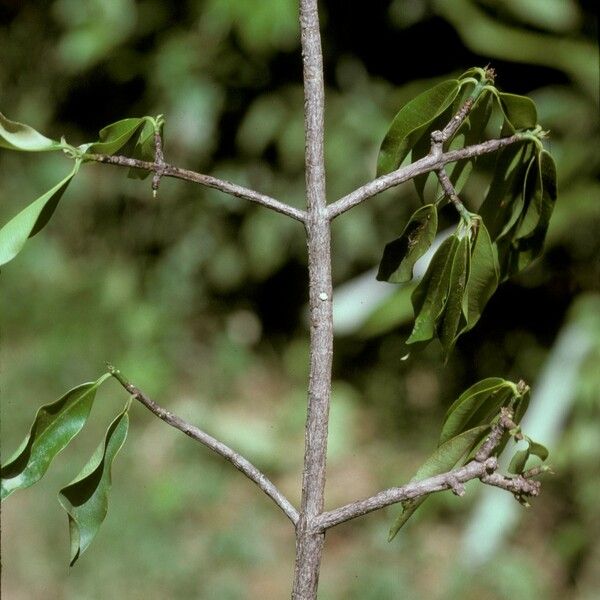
{"points": [[482, 467], [434, 161], [238, 461], [167, 170]]}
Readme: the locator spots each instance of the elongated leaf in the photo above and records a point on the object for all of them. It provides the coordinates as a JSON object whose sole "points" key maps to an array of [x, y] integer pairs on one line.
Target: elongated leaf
{"points": [[453, 311], [113, 137], [505, 194], [18, 136], [54, 426], [518, 461], [483, 277], [532, 200], [520, 111], [400, 256], [86, 498], [406, 128], [445, 458], [144, 150], [31, 219], [523, 251], [429, 298], [460, 415]]}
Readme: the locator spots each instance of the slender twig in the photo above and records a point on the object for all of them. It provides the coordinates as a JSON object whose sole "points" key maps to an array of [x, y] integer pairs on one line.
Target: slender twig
{"points": [[450, 192], [426, 164], [482, 467], [309, 543], [222, 185], [238, 461], [159, 161]]}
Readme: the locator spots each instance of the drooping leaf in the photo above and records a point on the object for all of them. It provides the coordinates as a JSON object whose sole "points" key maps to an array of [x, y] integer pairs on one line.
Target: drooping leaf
{"points": [[445, 458], [86, 498], [462, 414], [524, 250], [504, 197], [532, 200], [400, 256], [18, 136], [54, 426], [483, 277], [453, 311], [519, 111], [429, 298], [31, 219], [406, 128], [114, 136]]}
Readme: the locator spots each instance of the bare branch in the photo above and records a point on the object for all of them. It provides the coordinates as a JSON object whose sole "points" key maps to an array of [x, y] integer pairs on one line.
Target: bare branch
{"points": [[309, 543], [482, 467], [227, 187], [446, 481], [238, 461], [451, 193], [431, 162]]}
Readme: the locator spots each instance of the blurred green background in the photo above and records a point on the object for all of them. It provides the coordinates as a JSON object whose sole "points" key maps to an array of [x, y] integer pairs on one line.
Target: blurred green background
{"points": [[200, 299]]}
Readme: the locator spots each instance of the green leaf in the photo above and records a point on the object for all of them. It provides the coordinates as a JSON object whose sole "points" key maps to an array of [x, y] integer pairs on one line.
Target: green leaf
{"points": [[54, 426], [519, 111], [400, 256], [445, 458], [532, 200], [86, 498], [518, 461], [538, 450], [505, 194], [429, 298], [113, 137], [144, 150], [523, 251], [31, 219], [483, 277], [18, 136], [453, 311], [407, 126], [463, 412]]}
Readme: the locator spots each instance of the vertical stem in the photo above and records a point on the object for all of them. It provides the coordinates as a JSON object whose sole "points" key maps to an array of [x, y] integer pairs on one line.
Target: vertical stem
{"points": [[309, 544]]}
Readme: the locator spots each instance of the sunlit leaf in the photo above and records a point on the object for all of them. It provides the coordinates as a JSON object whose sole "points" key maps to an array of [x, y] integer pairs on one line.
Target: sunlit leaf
{"points": [[113, 137], [429, 298], [144, 148], [31, 219], [18, 136], [460, 416], [400, 255], [445, 458], [406, 128], [86, 498], [54, 426]]}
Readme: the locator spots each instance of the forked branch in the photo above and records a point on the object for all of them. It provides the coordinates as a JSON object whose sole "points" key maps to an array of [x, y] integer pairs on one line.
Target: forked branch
{"points": [[238, 461], [162, 169], [482, 467]]}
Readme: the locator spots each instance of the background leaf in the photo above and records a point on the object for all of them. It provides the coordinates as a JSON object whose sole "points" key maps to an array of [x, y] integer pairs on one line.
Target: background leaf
{"points": [[54, 426], [86, 498]]}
